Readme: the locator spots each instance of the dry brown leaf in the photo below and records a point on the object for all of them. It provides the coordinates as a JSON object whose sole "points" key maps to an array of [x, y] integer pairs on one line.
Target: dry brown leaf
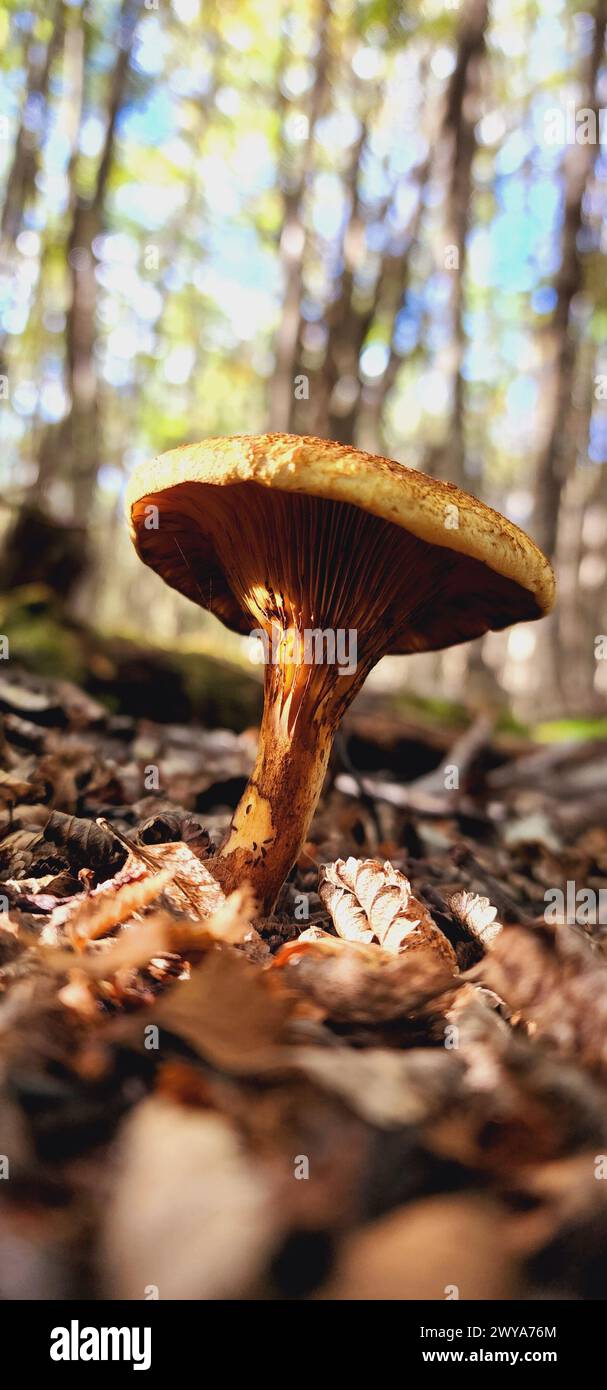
{"points": [[114, 902], [169, 869], [387, 1087], [14, 788], [30, 887], [85, 843], [192, 888], [354, 982], [329, 945], [231, 921], [230, 1012], [131, 950], [8, 924], [477, 915], [460, 1243], [373, 902], [555, 983], [159, 934], [190, 1214], [78, 994]]}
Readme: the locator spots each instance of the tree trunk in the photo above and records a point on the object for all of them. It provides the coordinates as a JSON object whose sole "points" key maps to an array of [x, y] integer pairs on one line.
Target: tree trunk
{"points": [[556, 455], [293, 246], [71, 448], [462, 112], [21, 177]]}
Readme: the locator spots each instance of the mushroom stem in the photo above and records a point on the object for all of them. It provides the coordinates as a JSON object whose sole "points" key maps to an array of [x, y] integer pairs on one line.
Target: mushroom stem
{"points": [[302, 709]]}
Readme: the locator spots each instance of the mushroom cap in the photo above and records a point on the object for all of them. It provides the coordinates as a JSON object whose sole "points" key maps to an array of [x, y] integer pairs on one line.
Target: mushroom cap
{"points": [[498, 576]]}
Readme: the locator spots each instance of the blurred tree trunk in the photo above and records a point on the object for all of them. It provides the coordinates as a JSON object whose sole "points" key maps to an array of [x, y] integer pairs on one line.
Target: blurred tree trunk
{"points": [[558, 451], [344, 407], [462, 112], [293, 242], [20, 181], [21, 178], [456, 152], [579, 617], [333, 416], [392, 290], [69, 451], [79, 436], [561, 498]]}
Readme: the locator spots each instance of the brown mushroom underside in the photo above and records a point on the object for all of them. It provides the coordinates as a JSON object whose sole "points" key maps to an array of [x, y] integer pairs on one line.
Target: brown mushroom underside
{"points": [[289, 564]]}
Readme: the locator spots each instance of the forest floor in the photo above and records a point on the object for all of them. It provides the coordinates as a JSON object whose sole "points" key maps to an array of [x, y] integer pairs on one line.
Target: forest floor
{"points": [[394, 1087]]}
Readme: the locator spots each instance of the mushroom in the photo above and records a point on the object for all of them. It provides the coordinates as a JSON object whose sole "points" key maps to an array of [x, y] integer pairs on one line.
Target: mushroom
{"points": [[335, 558]]}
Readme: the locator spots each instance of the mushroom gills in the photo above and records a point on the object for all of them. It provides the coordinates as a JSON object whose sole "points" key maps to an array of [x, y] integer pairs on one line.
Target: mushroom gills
{"points": [[330, 587], [322, 549]]}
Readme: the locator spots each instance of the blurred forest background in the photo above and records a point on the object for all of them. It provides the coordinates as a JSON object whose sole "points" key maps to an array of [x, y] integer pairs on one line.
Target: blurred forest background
{"points": [[350, 219]]}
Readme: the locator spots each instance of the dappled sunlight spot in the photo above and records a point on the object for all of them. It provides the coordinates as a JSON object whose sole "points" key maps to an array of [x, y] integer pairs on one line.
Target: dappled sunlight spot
{"points": [[592, 572], [594, 526], [179, 365], [368, 63], [521, 643], [519, 506], [374, 360]]}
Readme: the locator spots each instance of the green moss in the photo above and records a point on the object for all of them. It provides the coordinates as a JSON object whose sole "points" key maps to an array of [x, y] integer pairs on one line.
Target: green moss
{"points": [[125, 674], [220, 693], [38, 637], [432, 711], [566, 730]]}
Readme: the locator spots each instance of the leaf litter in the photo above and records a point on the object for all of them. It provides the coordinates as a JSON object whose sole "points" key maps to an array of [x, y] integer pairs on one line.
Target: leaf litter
{"points": [[420, 1045]]}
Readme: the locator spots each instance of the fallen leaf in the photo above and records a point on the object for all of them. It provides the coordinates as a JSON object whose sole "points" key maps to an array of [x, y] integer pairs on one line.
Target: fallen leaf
{"points": [[477, 915], [170, 825], [422, 1251], [14, 788], [149, 942], [230, 1012], [555, 985], [231, 921], [156, 936], [388, 1088], [355, 982], [370, 901], [79, 995], [190, 1214], [114, 902], [192, 888], [86, 844]]}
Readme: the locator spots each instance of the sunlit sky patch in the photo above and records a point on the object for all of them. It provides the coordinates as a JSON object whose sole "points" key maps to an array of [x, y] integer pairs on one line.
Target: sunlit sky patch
{"points": [[191, 258]]}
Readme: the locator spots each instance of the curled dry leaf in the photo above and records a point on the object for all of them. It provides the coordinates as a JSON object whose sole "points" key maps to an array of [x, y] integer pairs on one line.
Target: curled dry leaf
{"points": [[230, 1012], [169, 869], [159, 934], [372, 902], [462, 1240], [477, 915], [190, 1212], [86, 843], [192, 888], [555, 984], [114, 902], [356, 982], [231, 921], [387, 1087], [169, 824]]}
